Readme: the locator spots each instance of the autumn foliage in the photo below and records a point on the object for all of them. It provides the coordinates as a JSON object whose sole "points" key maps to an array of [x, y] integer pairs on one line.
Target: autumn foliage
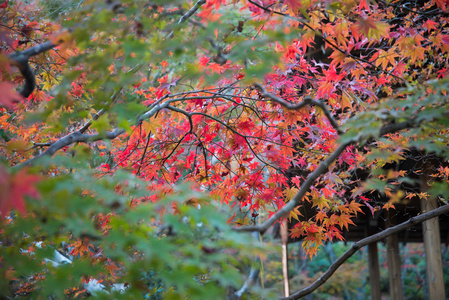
{"points": [[148, 119]]}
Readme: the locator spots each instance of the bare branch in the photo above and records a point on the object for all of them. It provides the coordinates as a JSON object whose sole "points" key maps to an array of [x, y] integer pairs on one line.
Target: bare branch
{"points": [[74, 137], [371, 239], [253, 274]]}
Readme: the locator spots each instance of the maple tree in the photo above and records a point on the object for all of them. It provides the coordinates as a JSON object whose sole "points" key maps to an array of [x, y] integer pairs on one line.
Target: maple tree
{"points": [[148, 138]]}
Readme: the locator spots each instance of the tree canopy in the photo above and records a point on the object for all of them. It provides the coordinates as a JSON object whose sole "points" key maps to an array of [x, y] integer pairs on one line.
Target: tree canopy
{"points": [[145, 139]]}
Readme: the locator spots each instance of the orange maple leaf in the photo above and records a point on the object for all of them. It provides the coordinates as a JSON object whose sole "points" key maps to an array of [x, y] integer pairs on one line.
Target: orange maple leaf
{"points": [[354, 207], [344, 221], [388, 205]]}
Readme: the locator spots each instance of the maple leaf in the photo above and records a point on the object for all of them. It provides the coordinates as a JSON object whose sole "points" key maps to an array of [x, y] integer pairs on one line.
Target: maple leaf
{"points": [[207, 15], [344, 220], [321, 215], [112, 267], [217, 3], [384, 58], [153, 124], [298, 230], [443, 4], [13, 189], [365, 24], [81, 247], [325, 90], [415, 53], [8, 96], [334, 232], [246, 126], [388, 205], [429, 24], [290, 193], [204, 61], [313, 228], [321, 202], [328, 192], [293, 5], [15, 145], [165, 85], [294, 213], [364, 4], [337, 57], [354, 207]]}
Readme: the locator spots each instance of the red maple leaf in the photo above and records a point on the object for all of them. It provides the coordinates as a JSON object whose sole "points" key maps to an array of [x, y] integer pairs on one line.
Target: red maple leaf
{"points": [[294, 5], [9, 96], [13, 188]]}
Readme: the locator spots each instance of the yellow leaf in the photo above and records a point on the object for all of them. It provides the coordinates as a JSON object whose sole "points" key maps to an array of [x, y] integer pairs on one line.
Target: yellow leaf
{"points": [[290, 193], [379, 31], [345, 101], [321, 202], [294, 213], [153, 124], [19, 146]]}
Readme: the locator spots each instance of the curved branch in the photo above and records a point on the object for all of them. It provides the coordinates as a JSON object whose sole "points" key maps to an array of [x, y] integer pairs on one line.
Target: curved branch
{"points": [[20, 60], [306, 101], [371, 239], [191, 11]]}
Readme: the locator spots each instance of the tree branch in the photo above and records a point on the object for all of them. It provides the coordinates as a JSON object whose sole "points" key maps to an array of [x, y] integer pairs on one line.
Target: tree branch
{"points": [[191, 11], [306, 101], [188, 14], [20, 60], [79, 136], [378, 68], [322, 168], [371, 239]]}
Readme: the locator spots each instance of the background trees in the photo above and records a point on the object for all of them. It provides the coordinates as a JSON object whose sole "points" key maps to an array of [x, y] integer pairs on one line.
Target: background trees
{"points": [[270, 109]]}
